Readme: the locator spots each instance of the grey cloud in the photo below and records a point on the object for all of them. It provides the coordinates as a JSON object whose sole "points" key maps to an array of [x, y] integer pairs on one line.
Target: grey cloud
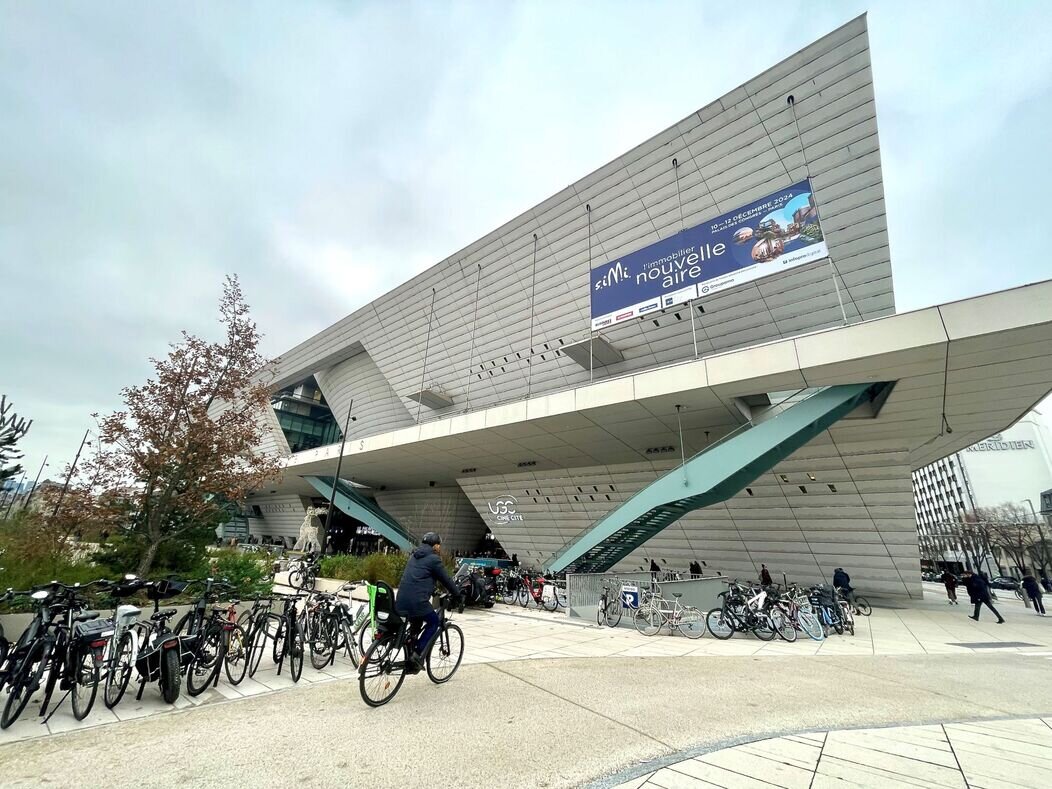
{"points": [[328, 151]]}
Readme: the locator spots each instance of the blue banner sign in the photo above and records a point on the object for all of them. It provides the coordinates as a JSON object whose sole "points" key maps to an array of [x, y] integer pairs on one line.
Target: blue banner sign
{"points": [[769, 235]]}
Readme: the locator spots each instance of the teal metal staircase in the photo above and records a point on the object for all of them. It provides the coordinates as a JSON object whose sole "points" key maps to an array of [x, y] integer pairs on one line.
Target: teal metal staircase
{"points": [[711, 476], [356, 505]]}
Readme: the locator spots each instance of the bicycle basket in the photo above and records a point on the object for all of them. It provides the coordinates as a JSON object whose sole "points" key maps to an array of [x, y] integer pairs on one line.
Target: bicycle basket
{"points": [[166, 588]]}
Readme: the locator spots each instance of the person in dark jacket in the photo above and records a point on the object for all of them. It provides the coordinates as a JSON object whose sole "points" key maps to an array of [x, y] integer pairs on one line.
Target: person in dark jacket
{"points": [[842, 583], [1046, 582], [765, 576], [418, 584], [695, 569], [1033, 591], [979, 593], [949, 580]]}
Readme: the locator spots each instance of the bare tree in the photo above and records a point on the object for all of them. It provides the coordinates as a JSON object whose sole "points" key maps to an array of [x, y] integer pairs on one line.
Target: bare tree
{"points": [[1012, 531]]}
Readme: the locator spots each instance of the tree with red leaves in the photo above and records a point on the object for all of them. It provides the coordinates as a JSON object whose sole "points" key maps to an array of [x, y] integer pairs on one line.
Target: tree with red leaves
{"points": [[185, 447]]}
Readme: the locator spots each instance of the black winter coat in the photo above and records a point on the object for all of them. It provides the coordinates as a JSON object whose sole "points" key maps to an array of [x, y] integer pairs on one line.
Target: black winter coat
{"points": [[842, 580], [978, 588], [1030, 584], [418, 582]]}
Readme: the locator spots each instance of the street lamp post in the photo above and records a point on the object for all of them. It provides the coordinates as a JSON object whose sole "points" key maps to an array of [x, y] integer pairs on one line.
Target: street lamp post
{"points": [[1040, 531], [10, 502], [33, 490], [330, 519]]}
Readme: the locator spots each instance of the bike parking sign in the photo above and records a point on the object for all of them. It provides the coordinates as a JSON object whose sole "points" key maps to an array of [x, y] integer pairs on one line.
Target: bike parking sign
{"points": [[630, 596]]}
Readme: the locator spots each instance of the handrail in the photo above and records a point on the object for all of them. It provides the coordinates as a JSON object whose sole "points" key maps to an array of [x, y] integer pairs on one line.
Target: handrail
{"points": [[741, 429]]}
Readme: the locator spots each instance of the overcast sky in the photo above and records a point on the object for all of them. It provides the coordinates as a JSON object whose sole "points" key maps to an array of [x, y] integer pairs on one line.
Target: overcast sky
{"points": [[326, 152]]}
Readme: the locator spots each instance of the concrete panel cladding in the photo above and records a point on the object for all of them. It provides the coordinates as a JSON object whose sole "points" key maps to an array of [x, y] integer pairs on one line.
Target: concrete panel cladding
{"points": [[377, 409], [495, 315]]}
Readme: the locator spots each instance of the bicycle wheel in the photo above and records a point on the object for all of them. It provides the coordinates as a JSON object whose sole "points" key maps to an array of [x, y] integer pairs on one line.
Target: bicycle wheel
{"points": [[296, 578], [205, 663], [85, 682], [838, 623], [847, 618], [380, 675], [295, 650], [721, 626], [809, 624], [323, 642], [365, 636], [783, 625], [120, 670], [691, 622], [763, 628], [523, 597], [862, 606], [561, 598], [348, 642], [257, 648], [647, 621], [600, 611], [549, 599], [24, 681], [278, 649], [170, 675], [443, 658], [235, 662], [613, 612]]}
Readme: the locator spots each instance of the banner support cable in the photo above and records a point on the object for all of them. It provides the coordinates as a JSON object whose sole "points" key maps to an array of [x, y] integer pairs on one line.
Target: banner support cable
{"points": [[533, 298], [791, 101], [471, 350], [427, 344], [591, 331]]}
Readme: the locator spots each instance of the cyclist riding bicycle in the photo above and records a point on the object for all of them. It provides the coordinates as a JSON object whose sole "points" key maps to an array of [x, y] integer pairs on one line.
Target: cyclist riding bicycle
{"points": [[416, 587]]}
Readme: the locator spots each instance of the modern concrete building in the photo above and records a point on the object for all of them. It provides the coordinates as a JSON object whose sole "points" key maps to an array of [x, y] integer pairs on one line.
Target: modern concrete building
{"points": [[484, 400], [1012, 467]]}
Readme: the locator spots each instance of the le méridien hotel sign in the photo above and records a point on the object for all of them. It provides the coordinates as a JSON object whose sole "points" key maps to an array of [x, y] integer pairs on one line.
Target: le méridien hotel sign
{"points": [[766, 236]]}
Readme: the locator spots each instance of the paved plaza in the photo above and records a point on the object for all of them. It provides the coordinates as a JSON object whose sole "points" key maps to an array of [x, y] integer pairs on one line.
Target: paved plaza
{"points": [[982, 755], [553, 701]]}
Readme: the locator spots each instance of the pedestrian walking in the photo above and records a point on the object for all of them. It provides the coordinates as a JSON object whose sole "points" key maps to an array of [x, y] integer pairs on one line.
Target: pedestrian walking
{"points": [[695, 569], [765, 576], [1046, 582], [979, 593], [949, 580], [1033, 591]]}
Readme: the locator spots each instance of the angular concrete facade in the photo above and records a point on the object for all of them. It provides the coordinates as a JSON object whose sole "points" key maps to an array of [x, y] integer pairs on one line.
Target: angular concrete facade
{"points": [[485, 329]]}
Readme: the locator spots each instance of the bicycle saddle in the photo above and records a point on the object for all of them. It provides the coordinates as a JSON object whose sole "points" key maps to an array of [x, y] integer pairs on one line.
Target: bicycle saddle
{"points": [[677, 594], [86, 616], [165, 614]]}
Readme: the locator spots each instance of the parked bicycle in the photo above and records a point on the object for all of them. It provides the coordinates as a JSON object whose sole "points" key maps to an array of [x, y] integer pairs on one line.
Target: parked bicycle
{"points": [[284, 630], [742, 611], [123, 648], [611, 604], [304, 570], [220, 644], [159, 650], [64, 641], [658, 612], [540, 590], [334, 627]]}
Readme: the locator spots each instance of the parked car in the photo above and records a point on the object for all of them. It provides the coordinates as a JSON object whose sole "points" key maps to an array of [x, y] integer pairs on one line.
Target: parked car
{"points": [[1004, 582]]}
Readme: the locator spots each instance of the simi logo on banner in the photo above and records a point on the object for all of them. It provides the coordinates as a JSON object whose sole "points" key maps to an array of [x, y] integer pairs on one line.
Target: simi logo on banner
{"points": [[776, 232]]}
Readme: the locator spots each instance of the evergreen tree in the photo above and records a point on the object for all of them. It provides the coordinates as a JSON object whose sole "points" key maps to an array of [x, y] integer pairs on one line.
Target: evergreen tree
{"points": [[12, 429]]}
